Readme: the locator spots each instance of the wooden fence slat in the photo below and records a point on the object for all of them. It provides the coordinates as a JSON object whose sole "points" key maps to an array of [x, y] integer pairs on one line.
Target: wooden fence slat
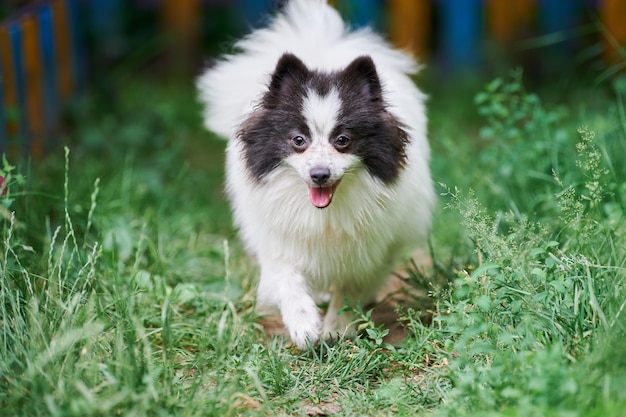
{"points": [[74, 25], [47, 51], [62, 45], [560, 18], [254, 12], [15, 36], [509, 20], [613, 14], [33, 71], [410, 25], [181, 24], [462, 29], [3, 132], [10, 95], [362, 13], [7, 99]]}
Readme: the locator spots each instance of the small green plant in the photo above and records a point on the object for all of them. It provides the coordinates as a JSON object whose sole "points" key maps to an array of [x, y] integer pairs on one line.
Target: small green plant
{"points": [[520, 142]]}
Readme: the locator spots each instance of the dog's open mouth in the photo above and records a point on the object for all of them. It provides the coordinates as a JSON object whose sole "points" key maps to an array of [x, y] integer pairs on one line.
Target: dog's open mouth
{"points": [[322, 196]]}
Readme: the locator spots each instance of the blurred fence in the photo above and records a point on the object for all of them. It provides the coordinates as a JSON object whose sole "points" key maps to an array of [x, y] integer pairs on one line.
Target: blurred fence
{"points": [[49, 49], [40, 66]]}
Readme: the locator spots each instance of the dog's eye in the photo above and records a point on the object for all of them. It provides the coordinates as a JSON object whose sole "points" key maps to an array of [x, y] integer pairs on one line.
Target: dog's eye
{"points": [[299, 143], [342, 142]]}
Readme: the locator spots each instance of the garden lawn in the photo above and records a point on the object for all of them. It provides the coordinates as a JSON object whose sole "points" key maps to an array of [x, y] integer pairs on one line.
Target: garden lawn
{"points": [[124, 290]]}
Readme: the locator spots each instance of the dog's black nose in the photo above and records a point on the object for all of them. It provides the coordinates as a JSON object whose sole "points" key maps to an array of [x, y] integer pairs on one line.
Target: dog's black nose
{"points": [[319, 175]]}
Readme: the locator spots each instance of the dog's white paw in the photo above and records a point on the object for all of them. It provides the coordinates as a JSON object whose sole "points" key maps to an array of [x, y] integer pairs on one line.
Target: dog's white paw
{"points": [[303, 322]]}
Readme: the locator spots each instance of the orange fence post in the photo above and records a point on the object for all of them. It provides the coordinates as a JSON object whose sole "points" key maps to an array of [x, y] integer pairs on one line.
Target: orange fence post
{"points": [[613, 14], [180, 19], [33, 75], [410, 25], [509, 19], [9, 98], [62, 45]]}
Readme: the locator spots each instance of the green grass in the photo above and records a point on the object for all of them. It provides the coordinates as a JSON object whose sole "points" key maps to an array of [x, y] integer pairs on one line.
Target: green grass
{"points": [[124, 290]]}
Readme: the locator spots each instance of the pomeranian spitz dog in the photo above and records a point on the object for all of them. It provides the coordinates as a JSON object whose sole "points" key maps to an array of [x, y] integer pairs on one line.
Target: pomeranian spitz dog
{"points": [[327, 165]]}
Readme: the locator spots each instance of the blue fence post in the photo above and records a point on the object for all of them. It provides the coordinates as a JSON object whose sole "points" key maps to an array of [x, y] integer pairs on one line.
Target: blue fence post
{"points": [[3, 123], [9, 89], [254, 12], [50, 96], [15, 34], [560, 16], [75, 19], [361, 13], [461, 26]]}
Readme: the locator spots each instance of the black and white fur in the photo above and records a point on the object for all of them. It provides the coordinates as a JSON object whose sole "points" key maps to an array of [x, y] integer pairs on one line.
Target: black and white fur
{"points": [[327, 161]]}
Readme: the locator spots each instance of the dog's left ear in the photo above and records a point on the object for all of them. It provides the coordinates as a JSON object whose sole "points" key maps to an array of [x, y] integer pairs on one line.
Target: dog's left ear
{"points": [[362, 76]]}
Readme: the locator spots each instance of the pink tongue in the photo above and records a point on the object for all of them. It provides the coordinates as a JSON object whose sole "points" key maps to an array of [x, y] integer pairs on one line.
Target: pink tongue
{"points": [[321, 196]]}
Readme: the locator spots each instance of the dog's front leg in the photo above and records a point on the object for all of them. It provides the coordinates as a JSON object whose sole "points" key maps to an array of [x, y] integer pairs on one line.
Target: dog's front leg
{"points": [[284, 287]]}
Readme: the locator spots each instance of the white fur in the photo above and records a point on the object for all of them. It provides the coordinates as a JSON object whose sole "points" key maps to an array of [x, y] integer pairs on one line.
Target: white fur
{"points": [[348, 249]]}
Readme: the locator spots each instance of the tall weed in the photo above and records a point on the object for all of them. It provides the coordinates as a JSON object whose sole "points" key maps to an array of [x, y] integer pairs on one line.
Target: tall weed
{"points": [[96, 321], [543, 296], [520, 143]]}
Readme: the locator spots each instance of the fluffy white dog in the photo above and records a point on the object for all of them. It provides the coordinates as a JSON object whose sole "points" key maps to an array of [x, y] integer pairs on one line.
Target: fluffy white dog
{"points": [[327, 161]]}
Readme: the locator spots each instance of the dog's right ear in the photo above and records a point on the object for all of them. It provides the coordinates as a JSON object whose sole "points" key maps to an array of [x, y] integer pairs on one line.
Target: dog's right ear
{"points": [[290, 73], [361, 75]]}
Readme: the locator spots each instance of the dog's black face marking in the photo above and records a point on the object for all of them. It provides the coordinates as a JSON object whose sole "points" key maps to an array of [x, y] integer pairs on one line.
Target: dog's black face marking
{"points": [[375, 136]]}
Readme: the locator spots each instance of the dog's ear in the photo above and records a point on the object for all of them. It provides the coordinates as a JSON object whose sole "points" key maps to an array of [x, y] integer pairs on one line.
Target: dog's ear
{"points": [[290, 72], [361, 75]]}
